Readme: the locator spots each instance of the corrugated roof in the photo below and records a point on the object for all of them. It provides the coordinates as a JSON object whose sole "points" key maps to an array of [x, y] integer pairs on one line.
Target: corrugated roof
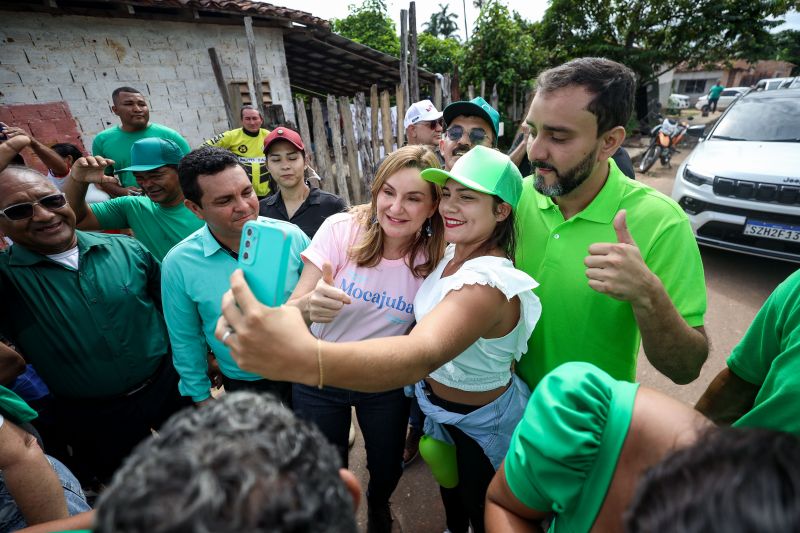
{"points": [[245, 7]]}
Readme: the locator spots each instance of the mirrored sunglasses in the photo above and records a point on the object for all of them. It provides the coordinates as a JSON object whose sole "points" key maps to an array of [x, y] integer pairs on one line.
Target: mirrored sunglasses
{"points": [[25, 210], [476, 135]]}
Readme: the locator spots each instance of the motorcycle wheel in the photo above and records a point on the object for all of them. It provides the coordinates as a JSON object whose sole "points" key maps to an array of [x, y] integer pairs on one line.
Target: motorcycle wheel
{"points": [[649, 158]]}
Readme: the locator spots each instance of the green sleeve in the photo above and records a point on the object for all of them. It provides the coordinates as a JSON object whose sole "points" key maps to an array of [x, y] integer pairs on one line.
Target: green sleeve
{"points": [[675, 259], [764, 340], [97, 149], [178, 138], [113, 214]]}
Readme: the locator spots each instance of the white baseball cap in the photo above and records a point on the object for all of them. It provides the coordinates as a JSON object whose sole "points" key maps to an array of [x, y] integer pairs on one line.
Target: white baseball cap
{"points": [[420, 112]]}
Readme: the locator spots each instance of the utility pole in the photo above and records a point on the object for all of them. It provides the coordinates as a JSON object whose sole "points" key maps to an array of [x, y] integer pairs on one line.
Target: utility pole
{"points": [[466, 25]]}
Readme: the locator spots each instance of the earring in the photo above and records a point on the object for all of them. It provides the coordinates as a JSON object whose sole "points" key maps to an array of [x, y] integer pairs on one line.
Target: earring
{"points": [[428, 228], [373, 220]]}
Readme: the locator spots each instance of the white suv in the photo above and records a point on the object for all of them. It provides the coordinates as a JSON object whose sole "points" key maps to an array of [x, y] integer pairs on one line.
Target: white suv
{"points": [[726, 98], [741, 185]]}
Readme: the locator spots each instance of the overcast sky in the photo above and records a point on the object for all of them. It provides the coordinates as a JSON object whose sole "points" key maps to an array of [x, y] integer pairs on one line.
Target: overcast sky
{"points": [[328, 9], [530, 9]]}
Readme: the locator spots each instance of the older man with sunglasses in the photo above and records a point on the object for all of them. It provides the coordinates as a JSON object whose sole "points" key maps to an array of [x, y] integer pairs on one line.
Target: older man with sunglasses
{"points": [[423, 123], [85, 309], [469, 123]]}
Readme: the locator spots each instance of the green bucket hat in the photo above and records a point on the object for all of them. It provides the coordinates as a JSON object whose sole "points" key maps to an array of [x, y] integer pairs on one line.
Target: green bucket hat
{"points": [[477, 107], [153, 152], [484, 170]]}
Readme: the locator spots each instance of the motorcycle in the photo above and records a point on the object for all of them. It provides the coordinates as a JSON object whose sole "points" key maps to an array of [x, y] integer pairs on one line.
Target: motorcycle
{"points": [[664, 139]]}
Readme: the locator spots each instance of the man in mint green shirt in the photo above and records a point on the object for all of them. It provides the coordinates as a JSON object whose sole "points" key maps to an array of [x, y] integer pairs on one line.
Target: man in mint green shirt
{"points": [[115, 143], [616, 260], [713, 95], [159, 219], [196, 272]]}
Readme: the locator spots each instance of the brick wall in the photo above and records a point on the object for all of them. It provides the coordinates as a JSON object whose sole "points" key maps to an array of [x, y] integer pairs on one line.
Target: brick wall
{"points": [[81, 60], [50, 123]]}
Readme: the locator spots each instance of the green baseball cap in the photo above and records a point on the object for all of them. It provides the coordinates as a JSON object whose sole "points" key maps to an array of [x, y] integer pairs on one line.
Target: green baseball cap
{"points": [[153, 152], [484, 170], [477, 107]]}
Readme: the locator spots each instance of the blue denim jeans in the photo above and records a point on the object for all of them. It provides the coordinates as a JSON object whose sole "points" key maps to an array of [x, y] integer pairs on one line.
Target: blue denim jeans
{"points": [[382, 417], [10, 517]]}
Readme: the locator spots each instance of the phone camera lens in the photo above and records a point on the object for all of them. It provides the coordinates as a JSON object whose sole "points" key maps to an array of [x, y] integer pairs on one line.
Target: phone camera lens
{"points": [[246, 255], [249, 231], [247, 244]]}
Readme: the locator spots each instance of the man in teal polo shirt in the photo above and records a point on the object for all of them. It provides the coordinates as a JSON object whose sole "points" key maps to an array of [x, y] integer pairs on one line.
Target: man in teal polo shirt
{"points": [[196, 273], [84, 309], [616, 260], [158, 219]]}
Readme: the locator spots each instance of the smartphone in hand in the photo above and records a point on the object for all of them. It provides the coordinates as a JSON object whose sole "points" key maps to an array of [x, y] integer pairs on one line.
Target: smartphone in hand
{"points": [[264, 259]]}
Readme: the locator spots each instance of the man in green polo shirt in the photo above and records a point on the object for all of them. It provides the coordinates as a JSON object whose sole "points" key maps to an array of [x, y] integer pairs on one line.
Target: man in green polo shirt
{"points": [[84, 309], [158, 219], [616, 260], [760, 386]]}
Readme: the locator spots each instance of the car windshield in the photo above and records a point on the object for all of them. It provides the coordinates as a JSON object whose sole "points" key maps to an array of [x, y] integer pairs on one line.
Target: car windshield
{"points": [[761, 119]]}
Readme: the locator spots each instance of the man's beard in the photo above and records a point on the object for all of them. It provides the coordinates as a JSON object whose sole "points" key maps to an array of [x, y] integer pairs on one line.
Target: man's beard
{"points": [[566, 182]]}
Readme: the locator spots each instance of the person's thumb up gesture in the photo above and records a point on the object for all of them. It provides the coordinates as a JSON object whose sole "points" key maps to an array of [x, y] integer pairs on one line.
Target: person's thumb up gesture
{"points": [[326, 300]]}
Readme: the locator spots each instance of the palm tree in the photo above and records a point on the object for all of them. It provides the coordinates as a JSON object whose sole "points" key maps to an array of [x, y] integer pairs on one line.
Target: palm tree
{"points": [[442, 24]]}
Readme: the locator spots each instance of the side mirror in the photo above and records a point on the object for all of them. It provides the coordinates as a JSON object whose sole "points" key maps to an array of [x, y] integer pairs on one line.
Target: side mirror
{"points": [[698, 131]]}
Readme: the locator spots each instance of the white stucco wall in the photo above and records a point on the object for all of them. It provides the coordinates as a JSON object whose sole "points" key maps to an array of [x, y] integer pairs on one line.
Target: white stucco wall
{"points": [[81, 60]]}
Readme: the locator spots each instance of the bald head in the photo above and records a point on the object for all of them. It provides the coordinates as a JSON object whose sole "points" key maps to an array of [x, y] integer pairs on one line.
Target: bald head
{"points": [[46, 229]]}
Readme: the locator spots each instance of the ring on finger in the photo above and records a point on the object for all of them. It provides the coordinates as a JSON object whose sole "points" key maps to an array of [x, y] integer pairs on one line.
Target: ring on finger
{"points": [[228, 332]]}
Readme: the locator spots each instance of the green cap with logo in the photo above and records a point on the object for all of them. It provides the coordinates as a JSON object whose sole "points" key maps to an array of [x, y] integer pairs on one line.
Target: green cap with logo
{"points": [[484, 170], [153, 152], [477, 107]]}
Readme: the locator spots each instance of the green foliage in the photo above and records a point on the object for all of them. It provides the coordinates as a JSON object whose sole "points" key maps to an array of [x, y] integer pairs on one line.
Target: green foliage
{"points": [[370, 25], [653, 36], [438, 55], [501, 50], [442, 24], [787, 48]]}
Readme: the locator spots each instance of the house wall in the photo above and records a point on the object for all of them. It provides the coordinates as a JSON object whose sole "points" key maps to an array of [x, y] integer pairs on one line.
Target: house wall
{"points": [[81, 60], [709, 76]]}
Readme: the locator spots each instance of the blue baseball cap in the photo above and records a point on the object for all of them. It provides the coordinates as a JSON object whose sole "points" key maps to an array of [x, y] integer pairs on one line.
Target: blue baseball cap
{"points": [[153, 152]]}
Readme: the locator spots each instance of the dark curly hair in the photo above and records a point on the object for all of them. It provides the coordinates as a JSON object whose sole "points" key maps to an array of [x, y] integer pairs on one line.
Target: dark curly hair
{"points": [[731, 480], [206, 160], [242, 463]]}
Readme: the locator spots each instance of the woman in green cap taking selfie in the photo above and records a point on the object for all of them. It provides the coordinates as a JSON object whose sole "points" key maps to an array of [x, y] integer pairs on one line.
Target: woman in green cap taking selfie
{"points": [[474, 314]]}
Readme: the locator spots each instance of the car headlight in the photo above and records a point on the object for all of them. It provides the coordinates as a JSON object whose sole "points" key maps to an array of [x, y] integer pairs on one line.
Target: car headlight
{"points": [[697, 179]]}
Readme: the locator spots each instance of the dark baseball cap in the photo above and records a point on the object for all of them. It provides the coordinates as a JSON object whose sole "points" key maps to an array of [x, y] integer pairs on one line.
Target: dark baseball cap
{"points": [[477, 107]]}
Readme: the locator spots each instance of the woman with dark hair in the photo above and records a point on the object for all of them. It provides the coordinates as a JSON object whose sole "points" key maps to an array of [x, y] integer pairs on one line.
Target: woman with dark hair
{"points": [[474, 314]]}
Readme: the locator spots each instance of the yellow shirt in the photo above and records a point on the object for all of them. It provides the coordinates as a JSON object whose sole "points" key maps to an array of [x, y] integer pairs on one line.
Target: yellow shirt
{"points": [[249, 149]]}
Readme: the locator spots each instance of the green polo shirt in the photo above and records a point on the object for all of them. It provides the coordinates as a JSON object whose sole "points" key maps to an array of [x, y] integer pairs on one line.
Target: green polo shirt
{"points": [[577, 322], [769, 356], [158, 228], [92, 332]]}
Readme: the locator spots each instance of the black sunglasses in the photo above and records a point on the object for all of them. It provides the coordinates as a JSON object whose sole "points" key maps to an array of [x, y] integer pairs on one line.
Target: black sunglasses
{"points": [[23, 211], [432, 123], [476, 135]]}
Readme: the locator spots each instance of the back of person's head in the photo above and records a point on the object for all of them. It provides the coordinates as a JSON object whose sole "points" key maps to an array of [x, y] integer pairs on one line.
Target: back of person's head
{"points": [[242, 463], [67, 149], [612, 84], [732, 480], [204, 161]]}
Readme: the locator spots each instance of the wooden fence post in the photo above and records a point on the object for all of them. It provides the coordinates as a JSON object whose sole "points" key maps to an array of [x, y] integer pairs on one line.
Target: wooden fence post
{"points": [[352, 149], [386, 122], [336, 136], [403, 57], [366, 156], [447, 96], [483, 89], [437, 93], [305, 134], [413, 94], [400, 105], [321, 145], [373, 123], [470, 92]]}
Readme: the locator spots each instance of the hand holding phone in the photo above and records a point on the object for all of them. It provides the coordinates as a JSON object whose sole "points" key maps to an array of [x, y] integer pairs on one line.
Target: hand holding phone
{"points": [[264, 259]]}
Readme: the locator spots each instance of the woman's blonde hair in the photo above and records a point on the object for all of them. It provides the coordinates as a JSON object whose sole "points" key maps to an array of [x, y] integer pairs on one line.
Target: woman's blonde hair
{"points": [[369, 250]]}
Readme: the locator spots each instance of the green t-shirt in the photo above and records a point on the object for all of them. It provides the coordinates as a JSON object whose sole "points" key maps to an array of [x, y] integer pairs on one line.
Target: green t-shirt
{"points": [[577, 322], [115, 144], [249, 149], [715, 91], [158, 228], [14, 408], [769, 356]]}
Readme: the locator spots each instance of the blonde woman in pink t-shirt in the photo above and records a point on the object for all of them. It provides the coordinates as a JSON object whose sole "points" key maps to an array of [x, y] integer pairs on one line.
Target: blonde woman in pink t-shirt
{"points": [[362, 271]]}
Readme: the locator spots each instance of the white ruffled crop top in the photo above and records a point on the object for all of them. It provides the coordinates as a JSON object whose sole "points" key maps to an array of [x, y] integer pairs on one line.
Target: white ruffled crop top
{"points": [[486, 364]]}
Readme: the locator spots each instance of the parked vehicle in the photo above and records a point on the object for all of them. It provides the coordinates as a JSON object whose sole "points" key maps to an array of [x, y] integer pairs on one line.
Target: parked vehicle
{"points": [[740, 186], [678, 101], [770, 84], [791, 83], [726, 98], [664, 139]]}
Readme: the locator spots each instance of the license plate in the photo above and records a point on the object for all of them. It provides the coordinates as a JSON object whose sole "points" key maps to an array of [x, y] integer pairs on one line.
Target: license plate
{"points": [[770, 230]]}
